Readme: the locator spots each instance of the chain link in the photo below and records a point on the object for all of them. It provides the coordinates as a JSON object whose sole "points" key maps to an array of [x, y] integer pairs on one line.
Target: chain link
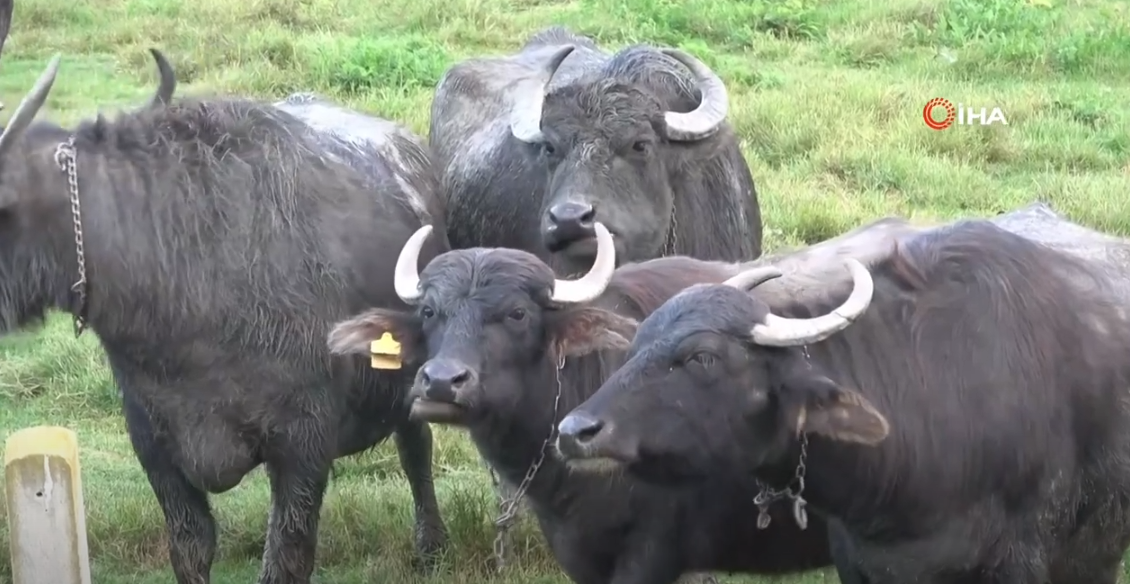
{"points": [[66, 159], [794, 490], [509, 507]]}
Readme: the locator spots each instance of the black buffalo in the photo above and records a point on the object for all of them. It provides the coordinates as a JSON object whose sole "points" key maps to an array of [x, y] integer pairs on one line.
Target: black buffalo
{"points": [[214, 242], [971, 426], [538, 145], [504, 350]]}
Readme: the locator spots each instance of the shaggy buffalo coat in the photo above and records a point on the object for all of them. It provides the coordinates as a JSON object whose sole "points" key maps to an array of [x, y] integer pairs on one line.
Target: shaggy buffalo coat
{"points": [[485, 321], [221, 238], [600, 139], [970, 426]]}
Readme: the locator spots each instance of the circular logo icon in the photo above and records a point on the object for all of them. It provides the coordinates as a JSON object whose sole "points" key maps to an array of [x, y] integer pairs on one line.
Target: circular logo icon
{"points": [[951, 113]]}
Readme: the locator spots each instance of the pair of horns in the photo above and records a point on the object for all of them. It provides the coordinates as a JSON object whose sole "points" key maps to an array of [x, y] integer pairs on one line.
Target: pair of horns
{"points": [[779, 331], [700, 123], [32, 102], [407, 278]]}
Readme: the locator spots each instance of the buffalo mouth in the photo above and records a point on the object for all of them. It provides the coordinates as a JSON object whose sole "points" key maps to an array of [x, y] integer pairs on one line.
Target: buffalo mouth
{"points": [[437, 412], [584, 250]]}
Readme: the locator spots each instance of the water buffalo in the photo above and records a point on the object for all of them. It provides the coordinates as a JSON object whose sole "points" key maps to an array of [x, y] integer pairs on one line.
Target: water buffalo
{"points": [[214, 242], [504, 349], [537, 145], [962, 413]]}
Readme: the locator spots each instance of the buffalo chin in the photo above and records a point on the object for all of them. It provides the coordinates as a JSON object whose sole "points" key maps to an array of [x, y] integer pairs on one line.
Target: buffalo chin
{"points": [[436, 412]]}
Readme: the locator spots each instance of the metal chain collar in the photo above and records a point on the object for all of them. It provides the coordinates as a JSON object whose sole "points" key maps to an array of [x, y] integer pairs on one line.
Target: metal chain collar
{"points": [[66, 159], [509, 507], [794, 490]]}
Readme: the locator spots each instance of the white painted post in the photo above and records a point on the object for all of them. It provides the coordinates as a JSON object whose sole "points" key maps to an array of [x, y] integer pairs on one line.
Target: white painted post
{"points": [[46, 516]]}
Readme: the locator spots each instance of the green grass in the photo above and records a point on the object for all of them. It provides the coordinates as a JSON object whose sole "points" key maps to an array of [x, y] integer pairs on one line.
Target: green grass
{"points": [[827, 97]]}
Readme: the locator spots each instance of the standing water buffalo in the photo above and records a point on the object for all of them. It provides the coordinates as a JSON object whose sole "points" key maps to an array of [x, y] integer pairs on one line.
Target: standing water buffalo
{"points": [[214, 242], [971, 426], [538, 145], [504, 349]]}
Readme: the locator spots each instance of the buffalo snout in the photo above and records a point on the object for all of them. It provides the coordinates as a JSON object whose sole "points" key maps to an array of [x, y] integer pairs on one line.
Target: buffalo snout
{"points": [[443, 379], [578, 429], [568, 223]]}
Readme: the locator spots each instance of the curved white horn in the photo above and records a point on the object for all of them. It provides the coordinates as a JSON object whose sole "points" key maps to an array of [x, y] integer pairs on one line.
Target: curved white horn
{"points": [[29, 106], [593, 283], [529, 96], [791, 332], [406, 278], [753, 277], [703, 121]]}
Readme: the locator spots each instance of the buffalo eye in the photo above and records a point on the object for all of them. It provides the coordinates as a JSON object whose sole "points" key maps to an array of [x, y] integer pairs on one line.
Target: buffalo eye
{"points": [[548, 149], [427, 312], [517, 315], [640, 145], [703, 359]]}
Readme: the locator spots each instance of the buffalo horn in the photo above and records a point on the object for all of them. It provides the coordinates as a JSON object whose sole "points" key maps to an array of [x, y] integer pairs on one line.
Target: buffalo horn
{"points": [[406, 277], [791, 332], [29, 106], [754, 277], [168, 80], [593, 283], [529, 96], [704, 120]]}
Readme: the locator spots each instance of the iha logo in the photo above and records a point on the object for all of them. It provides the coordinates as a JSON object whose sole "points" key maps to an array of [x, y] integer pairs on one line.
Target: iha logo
{"points": [[964, 116]]}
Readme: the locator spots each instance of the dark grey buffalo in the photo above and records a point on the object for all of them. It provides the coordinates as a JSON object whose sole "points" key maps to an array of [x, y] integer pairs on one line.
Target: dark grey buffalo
{"points": [[504, 349], [537, 145], [214, 242], [960, 406]]}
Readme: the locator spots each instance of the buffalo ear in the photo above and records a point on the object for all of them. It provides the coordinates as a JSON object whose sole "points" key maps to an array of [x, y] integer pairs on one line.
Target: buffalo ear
{"points": [[352, 336], [583, 330], [841, 414]]}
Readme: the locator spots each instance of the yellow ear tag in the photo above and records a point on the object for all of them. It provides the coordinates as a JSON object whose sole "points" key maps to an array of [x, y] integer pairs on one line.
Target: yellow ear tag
{"points": [[385, 353]]}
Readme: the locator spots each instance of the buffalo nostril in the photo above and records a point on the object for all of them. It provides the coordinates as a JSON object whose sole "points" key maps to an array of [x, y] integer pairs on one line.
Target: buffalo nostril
{"points": [[460, 378], [587, 216], [580, 428]]}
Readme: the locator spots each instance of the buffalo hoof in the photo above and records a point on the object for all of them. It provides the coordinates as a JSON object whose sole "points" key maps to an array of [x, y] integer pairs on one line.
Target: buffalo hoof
{"points": [[699, 578], [430, 545]]}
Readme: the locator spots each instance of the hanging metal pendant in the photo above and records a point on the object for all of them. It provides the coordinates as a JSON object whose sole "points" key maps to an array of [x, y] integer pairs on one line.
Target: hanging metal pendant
{"points": [[763, 518], [799, 513]]}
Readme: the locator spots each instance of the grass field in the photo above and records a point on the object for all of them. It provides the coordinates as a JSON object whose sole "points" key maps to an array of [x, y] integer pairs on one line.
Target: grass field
{"points": [[827, 97]]}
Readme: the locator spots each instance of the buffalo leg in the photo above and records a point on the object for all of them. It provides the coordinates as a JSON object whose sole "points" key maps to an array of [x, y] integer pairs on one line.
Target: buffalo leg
{"points": [[843, 554], [414, 445], [298, 468], [188, 517]]}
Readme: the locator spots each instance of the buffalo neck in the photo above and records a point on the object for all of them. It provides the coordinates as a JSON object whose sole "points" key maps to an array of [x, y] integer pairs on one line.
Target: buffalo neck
{"points": [[841, 479], [511, 444], [838, 478]]}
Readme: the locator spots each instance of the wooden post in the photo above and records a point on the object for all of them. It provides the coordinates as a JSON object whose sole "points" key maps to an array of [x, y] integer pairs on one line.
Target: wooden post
{"points": [[46, 517]]}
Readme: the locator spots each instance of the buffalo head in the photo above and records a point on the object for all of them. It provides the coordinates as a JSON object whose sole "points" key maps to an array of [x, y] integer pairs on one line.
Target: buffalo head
{"points": [[33, 210], [39, 251], [713, 376], [613, 144], [488, 327]]}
